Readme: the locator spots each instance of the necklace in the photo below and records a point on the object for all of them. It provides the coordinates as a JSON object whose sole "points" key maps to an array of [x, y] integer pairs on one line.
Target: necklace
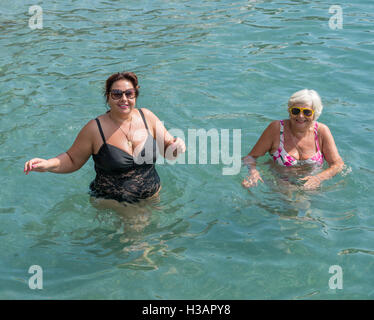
{"points": [[129, 143]]}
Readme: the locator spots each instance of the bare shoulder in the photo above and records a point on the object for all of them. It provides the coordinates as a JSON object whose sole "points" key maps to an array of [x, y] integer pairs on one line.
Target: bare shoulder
{"points": [[273, 127], [267, 140], [101, 118], [90, 131], [323, 129], [151, 118], [83, 144], [271, 132], [149, 114], [274, 124], [90, 127]]}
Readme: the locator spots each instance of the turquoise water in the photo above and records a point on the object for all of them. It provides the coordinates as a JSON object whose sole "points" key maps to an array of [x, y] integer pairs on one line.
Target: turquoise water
{"points": [[201, 64]]}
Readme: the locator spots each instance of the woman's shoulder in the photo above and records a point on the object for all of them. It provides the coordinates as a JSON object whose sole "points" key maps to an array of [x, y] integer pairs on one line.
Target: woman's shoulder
{"points": [[92, 126], [272, 130], [147, 112], [276, 122], [322, 128], [323, 131], [149, 116], [101, 116], [274, 126]]}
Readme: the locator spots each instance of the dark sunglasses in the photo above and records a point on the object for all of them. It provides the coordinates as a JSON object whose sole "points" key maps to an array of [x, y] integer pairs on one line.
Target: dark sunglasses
{"points": [[117, 94], [306, 111]]}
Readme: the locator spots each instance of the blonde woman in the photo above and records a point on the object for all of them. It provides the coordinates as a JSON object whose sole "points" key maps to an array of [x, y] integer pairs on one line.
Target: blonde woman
{"points": [[297, 141]]}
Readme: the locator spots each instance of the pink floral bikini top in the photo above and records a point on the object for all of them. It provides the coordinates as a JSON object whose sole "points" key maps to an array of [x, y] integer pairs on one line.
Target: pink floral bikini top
{"points": [[284, 159]]}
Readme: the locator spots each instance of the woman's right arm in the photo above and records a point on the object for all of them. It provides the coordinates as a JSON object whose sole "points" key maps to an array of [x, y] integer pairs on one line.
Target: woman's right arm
{"points": [[263, 145], [71, 160]]}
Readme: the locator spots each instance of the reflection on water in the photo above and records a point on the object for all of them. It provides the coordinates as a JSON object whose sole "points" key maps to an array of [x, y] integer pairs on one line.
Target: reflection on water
{"points": [[196, 47], [283, 193], [288, 178], [353, 251]]}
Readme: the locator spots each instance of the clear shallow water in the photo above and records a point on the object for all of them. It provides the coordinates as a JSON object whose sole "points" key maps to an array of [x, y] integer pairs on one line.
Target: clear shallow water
{"points": [[210, 64]]}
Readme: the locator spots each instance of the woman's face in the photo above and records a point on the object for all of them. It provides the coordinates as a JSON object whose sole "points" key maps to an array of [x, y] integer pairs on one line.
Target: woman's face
{"points": [[122, 97], [300, 120]]}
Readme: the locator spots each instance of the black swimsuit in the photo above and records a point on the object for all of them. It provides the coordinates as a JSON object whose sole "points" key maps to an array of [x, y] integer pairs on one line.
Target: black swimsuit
{"points": [[122, 177]]}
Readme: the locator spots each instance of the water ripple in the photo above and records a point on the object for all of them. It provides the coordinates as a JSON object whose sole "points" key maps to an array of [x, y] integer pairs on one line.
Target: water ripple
{"points": [[354, 251], [200, 64]]}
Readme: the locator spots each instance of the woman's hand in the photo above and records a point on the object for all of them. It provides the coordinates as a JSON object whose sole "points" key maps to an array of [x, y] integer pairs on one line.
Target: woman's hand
{"points": [[249, 161], [37, 164], [252, 180], [176, 147], [312, 182]]}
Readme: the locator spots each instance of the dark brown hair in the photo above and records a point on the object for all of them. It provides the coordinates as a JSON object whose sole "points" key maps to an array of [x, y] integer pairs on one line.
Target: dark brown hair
{"points": [[130, 76]]}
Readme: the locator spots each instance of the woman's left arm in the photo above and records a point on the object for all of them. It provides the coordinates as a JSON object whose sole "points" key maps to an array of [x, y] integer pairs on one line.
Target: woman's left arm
{"points": [[169, 146], [331, 154]]}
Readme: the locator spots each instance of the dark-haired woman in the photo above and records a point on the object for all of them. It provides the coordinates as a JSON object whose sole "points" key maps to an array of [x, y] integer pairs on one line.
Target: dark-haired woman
{"points": [[123, 143]]}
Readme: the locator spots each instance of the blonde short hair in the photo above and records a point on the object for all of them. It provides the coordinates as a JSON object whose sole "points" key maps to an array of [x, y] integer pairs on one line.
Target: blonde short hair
{"points": [[309, 98]]}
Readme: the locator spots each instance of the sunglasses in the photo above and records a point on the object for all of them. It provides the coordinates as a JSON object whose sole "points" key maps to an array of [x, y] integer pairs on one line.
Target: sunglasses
{"points": [[306, 111], [117, 94]]}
